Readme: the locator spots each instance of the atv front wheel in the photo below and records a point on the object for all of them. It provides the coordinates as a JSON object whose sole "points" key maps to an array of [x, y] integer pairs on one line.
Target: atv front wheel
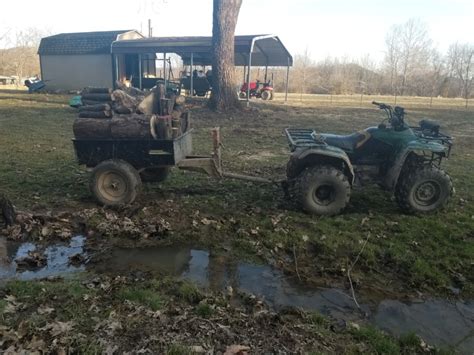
{"points": [[423, 190], [322, 190]]}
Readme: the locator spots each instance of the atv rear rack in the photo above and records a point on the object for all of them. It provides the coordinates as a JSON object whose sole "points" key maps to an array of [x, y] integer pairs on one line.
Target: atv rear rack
{"points": [[301, 137]]}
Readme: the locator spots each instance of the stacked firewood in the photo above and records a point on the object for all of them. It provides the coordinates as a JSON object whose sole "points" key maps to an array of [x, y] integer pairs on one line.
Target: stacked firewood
{"points": [[124, 114]]}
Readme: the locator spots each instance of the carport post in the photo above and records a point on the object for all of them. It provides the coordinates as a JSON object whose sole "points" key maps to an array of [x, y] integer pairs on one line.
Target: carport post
{"points": [[164, 69], [248, 77], [245, 71], [266, 70], [116, 69], [287, 78], [140, 71], [191, 75]]}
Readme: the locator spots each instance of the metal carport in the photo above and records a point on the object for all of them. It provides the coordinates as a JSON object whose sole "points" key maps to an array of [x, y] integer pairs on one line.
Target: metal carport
{"points": [[250, 50]]}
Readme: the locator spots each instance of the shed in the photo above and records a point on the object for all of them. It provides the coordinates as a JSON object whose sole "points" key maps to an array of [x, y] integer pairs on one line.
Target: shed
{"points": [[71, 61]]}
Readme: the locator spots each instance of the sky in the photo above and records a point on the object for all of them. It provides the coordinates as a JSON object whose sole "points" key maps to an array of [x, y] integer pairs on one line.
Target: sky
{"points": [[335, 28]]}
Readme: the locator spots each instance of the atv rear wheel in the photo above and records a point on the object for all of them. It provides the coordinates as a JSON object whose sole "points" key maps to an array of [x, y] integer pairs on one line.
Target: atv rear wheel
{"points": [[322, 190], [423, 190], [115, 182]]}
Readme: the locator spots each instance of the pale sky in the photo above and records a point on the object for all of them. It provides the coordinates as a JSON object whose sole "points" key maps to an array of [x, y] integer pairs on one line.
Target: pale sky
{"points": [[326, 28]]}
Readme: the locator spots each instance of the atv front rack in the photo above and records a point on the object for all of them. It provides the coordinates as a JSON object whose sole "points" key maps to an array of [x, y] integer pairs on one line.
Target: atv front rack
{"points": [[437, 137]]}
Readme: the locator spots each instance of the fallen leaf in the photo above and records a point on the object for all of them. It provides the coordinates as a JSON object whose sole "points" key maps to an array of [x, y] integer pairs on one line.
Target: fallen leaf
{"points": [[237, 350]]}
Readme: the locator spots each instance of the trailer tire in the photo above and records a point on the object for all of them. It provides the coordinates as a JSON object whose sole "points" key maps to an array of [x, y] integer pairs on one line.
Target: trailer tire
{"points": [[322, 190], [155, 174], [115, 182]]}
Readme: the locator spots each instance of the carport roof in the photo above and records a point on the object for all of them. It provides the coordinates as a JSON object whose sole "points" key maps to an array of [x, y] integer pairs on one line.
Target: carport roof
{"points": [[267, 49]]}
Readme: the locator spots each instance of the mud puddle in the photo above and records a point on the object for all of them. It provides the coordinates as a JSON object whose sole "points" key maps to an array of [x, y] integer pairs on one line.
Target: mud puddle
{"points": [[439, 322], [58, 259]]}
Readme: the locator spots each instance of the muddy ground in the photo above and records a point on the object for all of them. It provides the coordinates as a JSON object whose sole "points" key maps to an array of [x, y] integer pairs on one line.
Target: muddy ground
{"points": [[403, 257]]}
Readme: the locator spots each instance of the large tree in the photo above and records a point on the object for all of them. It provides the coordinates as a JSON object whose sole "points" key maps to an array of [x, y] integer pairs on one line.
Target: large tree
{"points": [[225, 14]]}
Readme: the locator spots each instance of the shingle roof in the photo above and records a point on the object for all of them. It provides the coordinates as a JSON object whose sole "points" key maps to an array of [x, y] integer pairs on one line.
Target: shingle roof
{"points": [[79, 43]]}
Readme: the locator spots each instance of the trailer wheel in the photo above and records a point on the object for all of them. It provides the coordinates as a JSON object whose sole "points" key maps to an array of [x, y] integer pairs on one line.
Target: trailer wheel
{"points": [[115, 182], [266, 95], [155, 174], [322, 190]]}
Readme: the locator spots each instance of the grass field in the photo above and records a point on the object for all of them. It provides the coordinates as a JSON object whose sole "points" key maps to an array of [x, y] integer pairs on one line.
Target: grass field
{"points": [[404, 255]]}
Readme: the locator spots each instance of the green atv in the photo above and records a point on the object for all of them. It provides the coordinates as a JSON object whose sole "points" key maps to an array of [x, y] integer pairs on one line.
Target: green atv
{"points": [[324, 168]]}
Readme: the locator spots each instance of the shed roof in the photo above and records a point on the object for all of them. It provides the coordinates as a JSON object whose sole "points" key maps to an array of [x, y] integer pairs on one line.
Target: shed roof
{"points": [[79, 43], [266, 49]]}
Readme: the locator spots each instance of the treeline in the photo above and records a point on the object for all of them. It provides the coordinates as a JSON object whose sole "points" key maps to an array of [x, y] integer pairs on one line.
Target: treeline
{"points": [[18, 52], [411, 66]]}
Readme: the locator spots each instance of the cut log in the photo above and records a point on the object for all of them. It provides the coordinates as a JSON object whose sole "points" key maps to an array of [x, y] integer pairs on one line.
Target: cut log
{"points": [[180, 100], [95, 114], [92, 90], [122, 110], [91, 128], [159, 94], [98, 97], [163, 127], [93, 102], [131, 126], [123, 100], [185, 121], [166, 107], [146, 106], [130, 90], [7, 211], [97, 108]]}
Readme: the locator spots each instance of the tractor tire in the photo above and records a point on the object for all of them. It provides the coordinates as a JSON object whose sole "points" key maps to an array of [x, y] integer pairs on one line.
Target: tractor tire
{"points": [[423, 190], [265, 95], [115, 182], [322, 190], [242, 95], [155, 174]]}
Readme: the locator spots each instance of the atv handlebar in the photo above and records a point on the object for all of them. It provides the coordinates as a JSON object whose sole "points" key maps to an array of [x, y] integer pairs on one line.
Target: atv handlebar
{"points": [[395, 114], [381, 106]]}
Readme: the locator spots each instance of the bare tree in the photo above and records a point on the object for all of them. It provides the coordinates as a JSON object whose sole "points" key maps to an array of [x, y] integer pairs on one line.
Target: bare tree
{"points": [[392, 56], [461, 62], [408, 49], [225, 15], [303, 64]]}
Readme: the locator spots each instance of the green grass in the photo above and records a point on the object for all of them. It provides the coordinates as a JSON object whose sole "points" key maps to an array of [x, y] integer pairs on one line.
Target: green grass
{"points": [[146, 297], [428, 253]]}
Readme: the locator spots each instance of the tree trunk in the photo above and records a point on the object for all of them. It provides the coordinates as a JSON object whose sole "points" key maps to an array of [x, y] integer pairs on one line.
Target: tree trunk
{"points": [[7, 211], [225, 14]]}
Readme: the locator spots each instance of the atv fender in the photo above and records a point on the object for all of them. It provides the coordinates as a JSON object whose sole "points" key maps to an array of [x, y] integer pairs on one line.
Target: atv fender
{"points": [[327, 155], [391, 178]]}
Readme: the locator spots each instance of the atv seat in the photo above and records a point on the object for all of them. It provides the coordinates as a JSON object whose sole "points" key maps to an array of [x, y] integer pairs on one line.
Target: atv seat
{"points": [[349, 142]]}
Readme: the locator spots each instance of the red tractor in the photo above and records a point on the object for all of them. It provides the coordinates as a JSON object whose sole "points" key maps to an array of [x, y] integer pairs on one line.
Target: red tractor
{"points": [[258, 89]]}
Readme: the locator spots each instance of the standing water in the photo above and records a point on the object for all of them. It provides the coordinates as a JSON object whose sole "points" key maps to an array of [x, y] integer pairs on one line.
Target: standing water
{"points": [[439, 322]]}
